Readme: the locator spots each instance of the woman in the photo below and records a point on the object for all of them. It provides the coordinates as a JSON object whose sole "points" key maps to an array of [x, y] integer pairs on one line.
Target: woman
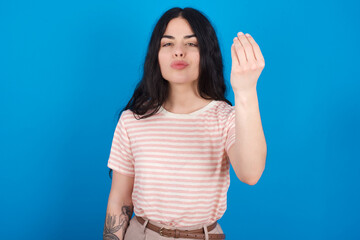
{"points": [[173, 143]]}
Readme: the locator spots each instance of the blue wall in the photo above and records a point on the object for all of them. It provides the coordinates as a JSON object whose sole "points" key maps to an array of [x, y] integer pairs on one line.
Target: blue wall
{"points": [[68, 67]]}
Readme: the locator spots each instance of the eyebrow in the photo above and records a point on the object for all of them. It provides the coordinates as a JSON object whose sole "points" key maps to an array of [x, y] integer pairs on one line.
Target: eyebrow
{"points": [[171, 37]]}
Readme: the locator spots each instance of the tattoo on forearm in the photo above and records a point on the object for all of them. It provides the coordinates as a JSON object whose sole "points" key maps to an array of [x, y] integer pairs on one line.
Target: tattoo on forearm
{"points": [[111, 226]]}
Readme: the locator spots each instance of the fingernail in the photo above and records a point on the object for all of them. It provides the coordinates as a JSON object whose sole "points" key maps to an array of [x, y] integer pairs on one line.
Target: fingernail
{"points": [[247, 35], [241, 33]]}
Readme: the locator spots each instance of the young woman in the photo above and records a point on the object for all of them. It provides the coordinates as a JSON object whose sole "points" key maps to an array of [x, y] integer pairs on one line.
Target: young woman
{"points": [[176, 138]]}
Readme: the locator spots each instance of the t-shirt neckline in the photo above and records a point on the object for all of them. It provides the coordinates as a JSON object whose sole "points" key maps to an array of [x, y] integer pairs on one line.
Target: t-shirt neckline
{"points": [[195, 113]]}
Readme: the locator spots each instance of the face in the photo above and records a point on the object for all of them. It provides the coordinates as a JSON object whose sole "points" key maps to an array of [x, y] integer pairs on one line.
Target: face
{"points": [[179, 54]]}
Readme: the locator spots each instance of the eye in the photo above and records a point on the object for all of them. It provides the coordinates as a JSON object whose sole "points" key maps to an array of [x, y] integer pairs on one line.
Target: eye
{"points": [[193, 44], [166, 44]]}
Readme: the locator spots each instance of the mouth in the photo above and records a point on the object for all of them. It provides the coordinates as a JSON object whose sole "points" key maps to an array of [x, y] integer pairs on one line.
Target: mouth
{"points": [[179, 65]]}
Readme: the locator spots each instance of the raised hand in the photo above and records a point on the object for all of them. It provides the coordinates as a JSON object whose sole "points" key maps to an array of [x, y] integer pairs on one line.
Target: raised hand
{"points": [[247, 63]]}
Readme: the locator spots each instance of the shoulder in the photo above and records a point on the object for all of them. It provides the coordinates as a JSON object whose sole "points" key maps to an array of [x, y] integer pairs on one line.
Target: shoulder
{"points": [[126, 117], [223, 109], [126, 114], [224, 106], [130, 117]]}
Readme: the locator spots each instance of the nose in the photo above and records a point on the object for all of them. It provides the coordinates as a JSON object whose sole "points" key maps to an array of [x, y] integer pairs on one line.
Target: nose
{"points": [[179, 52]]}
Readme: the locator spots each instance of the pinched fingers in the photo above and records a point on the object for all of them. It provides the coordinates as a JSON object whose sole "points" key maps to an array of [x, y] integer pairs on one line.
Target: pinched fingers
{"points": [[247, 52], [256, 49]]}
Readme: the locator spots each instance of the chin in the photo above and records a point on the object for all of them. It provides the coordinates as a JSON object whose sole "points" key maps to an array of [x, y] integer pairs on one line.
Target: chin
{"points": [[181, 79]]}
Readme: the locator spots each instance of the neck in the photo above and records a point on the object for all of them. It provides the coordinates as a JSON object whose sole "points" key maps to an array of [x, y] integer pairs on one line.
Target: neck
{"points": [[184, 99]]}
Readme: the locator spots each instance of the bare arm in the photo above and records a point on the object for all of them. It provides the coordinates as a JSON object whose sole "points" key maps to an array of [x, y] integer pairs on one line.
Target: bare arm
{"points": [[248, 154], [119, 208]]}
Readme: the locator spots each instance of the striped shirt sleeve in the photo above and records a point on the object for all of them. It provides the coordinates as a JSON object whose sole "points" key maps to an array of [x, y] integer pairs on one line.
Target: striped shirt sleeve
{"points": [[121, 158], [230, 130]]}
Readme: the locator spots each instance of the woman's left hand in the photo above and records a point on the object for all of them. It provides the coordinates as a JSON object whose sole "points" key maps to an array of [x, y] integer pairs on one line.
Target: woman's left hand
{"points": [[247, 63]]}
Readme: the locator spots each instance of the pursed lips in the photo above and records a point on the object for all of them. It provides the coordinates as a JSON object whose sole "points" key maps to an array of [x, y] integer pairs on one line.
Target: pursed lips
{"points": [[179, 64]]}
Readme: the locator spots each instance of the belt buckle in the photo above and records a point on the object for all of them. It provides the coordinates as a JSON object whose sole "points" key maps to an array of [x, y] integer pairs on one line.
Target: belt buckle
{"points": [[161, 233]]}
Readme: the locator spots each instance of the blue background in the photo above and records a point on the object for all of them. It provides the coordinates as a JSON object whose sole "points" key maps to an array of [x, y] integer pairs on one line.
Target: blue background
{"points": [[68, 67]]}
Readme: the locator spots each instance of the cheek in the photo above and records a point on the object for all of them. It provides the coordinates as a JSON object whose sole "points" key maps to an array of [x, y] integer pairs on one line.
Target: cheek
{"points": [[196, 56], [197, 60], [162, 57]]}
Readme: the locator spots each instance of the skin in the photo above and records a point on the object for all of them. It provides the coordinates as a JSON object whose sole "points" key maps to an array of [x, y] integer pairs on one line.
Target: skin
{"points": [[183, 95], [248, 154], [116, 225]]}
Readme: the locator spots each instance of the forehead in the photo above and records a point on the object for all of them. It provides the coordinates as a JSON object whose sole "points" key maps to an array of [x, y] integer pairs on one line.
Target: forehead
{"points": [[178, 27]]}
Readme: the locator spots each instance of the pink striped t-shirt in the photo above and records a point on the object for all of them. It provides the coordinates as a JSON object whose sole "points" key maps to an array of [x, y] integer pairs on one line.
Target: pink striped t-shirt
{"points": [[179, 162]]}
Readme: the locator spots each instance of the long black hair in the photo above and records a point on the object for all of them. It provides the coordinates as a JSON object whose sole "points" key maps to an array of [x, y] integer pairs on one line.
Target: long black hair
{"points": [[152, 91]]}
